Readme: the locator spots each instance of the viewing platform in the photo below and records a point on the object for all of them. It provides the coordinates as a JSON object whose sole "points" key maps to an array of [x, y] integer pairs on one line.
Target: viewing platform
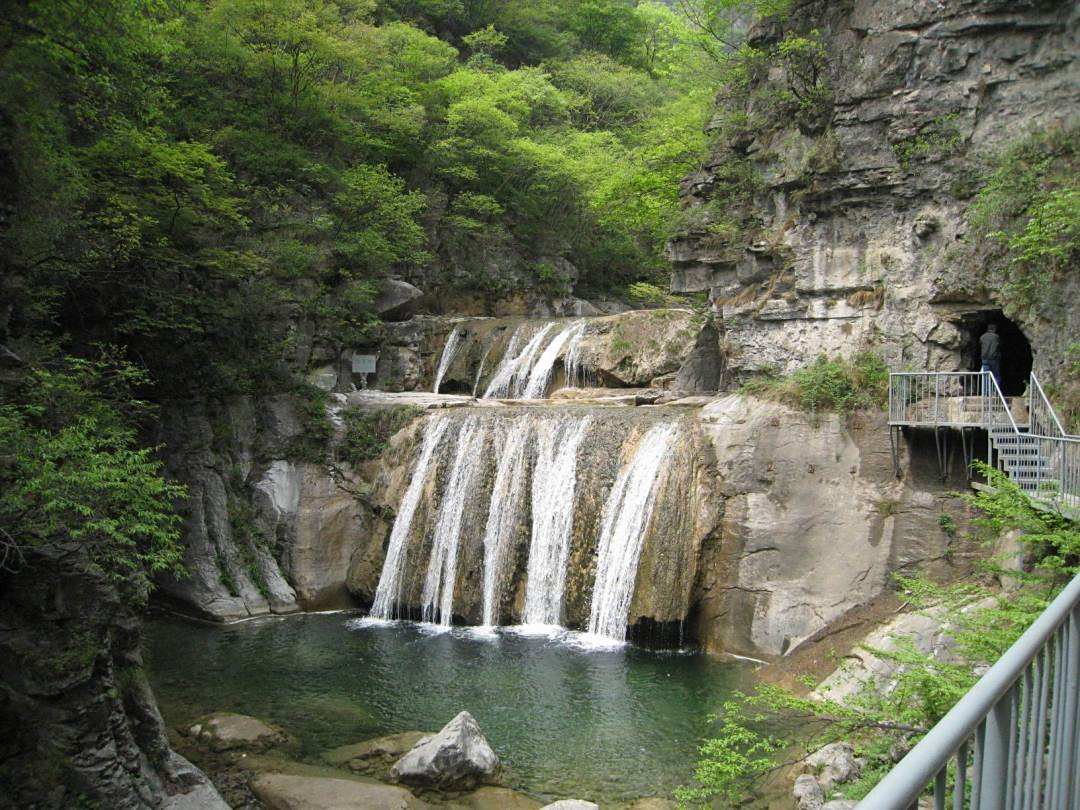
{"points": [[1024, 437]]}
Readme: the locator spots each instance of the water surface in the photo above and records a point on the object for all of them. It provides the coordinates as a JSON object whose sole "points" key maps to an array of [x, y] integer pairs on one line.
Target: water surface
{"points": [[569, 719]]}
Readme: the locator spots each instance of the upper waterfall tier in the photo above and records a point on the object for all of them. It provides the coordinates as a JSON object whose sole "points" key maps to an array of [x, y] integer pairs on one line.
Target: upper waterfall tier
{"points": [[503, 518], [523, 358]]}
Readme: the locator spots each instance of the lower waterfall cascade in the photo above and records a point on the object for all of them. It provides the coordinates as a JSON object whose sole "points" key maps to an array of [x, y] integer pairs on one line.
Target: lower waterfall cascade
{"points": [[626, 517], [539, 513], [552, 519]]}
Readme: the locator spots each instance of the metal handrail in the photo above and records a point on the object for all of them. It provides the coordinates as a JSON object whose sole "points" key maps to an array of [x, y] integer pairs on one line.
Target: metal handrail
{"points": [[1043, 405], [1011, 713]]}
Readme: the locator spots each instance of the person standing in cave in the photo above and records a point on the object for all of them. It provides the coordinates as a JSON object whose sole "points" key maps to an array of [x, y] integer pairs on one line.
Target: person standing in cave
{"points": [[990, 351]]}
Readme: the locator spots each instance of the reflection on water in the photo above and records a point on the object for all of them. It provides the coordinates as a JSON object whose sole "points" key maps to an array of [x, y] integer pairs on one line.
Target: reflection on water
{"points": [[567, 715]]}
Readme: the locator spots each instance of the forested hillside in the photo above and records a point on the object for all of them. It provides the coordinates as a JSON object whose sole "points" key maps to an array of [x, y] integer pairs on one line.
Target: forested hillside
{"points": [[186, 176]]}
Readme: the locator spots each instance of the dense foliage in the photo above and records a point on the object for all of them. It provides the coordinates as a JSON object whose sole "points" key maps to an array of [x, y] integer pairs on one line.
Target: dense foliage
{"points": [[184, 176], [72, 476], [215, 186], [762, 733], [1029, 208]]}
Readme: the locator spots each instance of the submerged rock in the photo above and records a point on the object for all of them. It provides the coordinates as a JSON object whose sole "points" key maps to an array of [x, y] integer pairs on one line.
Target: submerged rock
{"points": [[456, 757], [375, 757], [279, 791], [225, 731]]}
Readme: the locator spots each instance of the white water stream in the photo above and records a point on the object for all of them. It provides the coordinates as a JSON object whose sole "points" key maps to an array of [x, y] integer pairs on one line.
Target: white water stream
{"points": [[388, 592], [450, 350], [553, 488], [626, 517], [504, 512], [540, 373], [438, 594]]}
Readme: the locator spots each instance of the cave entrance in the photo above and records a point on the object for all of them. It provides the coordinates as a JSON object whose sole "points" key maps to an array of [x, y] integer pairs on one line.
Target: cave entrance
{"points": [[1016, 356]]}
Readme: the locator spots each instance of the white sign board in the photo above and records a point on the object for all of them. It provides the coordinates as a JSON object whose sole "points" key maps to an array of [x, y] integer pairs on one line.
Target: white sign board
{"points": [[364, 363]]}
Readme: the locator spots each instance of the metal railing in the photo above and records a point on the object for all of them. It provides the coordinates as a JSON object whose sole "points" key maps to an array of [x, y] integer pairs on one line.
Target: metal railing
{"points": [[938, 398], [1011, 743]]}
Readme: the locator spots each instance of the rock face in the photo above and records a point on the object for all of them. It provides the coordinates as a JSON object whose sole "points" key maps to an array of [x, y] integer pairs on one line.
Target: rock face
{"points": [[814, 523], [856, 236], [279, 791], [77, 716], [226, 731], [834, 764], [456, 757]]}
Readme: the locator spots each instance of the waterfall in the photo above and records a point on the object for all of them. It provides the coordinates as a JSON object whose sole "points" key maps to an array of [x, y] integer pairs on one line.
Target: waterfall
{"points": [[504, 512], [554, 479], [388, 592], [575, 370], [453, 343], [625, 521], [480, 370], [438, 594], [540, 374], [513, 371]]}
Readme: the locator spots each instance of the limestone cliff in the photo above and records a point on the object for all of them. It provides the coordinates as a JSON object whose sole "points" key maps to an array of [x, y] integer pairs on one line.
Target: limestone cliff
{"points": [[849, 226]]}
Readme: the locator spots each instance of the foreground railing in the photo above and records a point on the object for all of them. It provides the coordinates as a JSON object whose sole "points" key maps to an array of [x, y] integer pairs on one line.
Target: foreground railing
{"points": [[1011, 743]]}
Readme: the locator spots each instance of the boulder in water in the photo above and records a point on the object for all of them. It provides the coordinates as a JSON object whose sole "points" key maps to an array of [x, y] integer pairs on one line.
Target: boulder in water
{"points": [[571, 804], [457, 757]]}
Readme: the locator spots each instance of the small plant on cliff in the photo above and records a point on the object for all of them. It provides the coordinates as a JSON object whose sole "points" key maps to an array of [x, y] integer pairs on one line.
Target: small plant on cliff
{"points": [[772, 729], [937, 139], [829, 384], [368, 432]]}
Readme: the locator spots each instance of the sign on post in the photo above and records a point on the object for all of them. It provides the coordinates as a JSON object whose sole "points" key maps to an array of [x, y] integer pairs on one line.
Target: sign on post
{"points": [[364, 363]]}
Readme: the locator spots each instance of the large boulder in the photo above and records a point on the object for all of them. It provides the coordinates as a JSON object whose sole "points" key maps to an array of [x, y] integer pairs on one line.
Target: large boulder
{"points": [[279, 791], [457, 757], [394, 299], [807, 793]]}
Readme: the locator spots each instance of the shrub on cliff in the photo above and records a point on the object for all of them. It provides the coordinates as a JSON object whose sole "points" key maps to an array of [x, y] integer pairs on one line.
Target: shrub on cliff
{"points": [[829, 384]]}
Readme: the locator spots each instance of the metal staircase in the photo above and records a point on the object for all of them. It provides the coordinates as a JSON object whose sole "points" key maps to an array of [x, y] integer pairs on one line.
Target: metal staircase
{"points": [[1025, 438]]}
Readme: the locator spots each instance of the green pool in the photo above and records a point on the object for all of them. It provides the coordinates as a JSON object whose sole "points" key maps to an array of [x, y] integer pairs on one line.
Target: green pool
{"points": [[567, 718]]}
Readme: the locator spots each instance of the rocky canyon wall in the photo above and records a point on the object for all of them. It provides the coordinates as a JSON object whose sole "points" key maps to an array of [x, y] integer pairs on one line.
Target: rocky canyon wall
{"points": [[855, 231]]}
